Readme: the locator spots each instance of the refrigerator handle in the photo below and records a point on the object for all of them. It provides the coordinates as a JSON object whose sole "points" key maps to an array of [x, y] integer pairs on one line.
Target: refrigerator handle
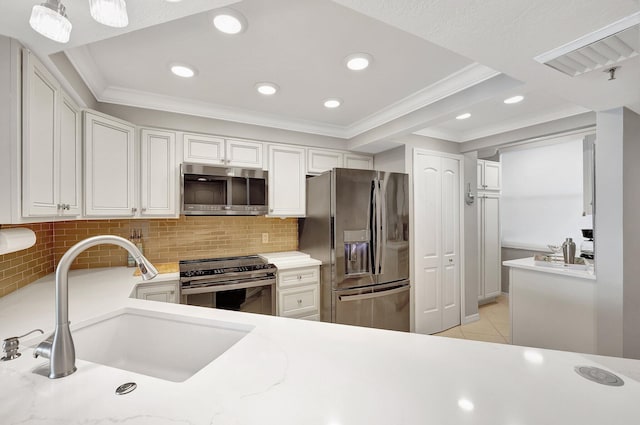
{"points": [[383, 224], [376, 294], [378, 214]]}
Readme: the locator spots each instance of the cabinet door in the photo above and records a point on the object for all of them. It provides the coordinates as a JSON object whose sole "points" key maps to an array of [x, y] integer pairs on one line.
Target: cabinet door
{"points": [[109, 167], [41, 138], [480, 171], [163, 292], [300, 301], [319, 160], [240, 153], [70, 157], [491, 268], [287, 187], [492, 175], [158, 173], [362, 162], [203, 149]]}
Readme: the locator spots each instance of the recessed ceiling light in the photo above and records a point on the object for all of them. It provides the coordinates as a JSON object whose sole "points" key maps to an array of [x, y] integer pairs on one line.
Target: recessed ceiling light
{"points": [[465, 404], [463, 116], [266, 88], [358, 61], [514, 99], [332, 103], [229, 21], [183, 71]]}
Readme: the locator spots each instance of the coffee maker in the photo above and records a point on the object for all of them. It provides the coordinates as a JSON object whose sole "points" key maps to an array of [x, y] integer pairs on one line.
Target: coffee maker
{"points": [[586, 227]]}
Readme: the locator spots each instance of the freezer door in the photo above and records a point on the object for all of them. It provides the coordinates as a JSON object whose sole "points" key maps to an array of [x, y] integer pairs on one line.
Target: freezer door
{"points": [[352, 211], [379, 306], [394, 246]]}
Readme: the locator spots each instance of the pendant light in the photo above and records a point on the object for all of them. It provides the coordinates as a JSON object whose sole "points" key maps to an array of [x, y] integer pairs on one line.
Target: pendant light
{"points": [[50, 20], [112, 13]]}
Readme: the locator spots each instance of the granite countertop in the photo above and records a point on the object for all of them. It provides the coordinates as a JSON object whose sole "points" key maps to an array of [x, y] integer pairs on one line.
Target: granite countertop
{"points": [[289, 371], [529, 264]]}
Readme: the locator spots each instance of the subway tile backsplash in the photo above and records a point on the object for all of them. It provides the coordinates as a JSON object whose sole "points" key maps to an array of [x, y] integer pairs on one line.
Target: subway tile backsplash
{"points": [[20, 268], [164, 241]]}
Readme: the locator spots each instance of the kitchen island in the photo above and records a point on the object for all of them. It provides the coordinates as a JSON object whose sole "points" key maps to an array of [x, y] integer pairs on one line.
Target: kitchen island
{"points": [[288, 371], [552, 307]]}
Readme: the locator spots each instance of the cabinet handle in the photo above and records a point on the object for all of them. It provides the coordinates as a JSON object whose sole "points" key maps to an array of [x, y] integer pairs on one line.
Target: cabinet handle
{"points": [[299, 277], [270, 209], [134, 209], [59, 206], [67, 207], [143, 209], [299, 301], [451, 260]]}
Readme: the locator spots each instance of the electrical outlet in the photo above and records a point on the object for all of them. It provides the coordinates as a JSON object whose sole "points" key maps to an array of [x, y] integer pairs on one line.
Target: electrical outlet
{"points": [[265, 238]]}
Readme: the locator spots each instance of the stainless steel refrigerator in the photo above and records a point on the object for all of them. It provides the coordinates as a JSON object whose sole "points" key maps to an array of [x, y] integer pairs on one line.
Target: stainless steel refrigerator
{"points": [[357, 224]]}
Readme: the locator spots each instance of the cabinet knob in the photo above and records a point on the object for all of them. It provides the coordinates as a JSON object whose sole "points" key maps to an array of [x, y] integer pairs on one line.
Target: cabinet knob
{"points": [[299, 301], [299, 277], [59, 206], [270, 209], [451, 260], [67, 207], [134, 209], [143, 209]]}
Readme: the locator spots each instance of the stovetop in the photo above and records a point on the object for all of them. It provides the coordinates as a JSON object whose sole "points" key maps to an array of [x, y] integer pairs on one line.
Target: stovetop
{"points": [[221, 266]]}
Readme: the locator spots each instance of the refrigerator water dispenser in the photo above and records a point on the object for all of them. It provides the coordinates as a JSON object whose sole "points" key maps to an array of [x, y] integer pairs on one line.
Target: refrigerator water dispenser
{"points": [[356, 252]]}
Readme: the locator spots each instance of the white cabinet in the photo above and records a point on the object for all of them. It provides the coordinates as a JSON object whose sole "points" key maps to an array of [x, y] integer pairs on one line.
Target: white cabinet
{"points": [[109, 166], [489, 283], [436, 194], [352, 160], [51, 145], [287, 186], [164, 292], [158, 173], [489, 175], [299, 293], [211, 150], [321, 160]]}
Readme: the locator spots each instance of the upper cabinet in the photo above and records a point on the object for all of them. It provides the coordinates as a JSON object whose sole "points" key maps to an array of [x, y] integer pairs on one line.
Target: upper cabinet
{"points": [[489, 175], [211, 150], [51, 145], [363, 162], [109, 166], [158, 173], [287, 186], [321, 160]]}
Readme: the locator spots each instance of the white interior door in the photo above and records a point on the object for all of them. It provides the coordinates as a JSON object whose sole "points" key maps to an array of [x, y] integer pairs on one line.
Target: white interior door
{"points": [[436, 188]]}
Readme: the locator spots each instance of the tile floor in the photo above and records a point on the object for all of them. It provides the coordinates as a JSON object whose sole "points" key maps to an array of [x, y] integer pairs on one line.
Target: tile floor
{"points": [[493, 325]]}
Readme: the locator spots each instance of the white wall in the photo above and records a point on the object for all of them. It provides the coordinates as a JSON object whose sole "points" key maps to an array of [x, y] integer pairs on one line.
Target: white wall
{"points": [[631, 179], [392, 160], [609, 232]]}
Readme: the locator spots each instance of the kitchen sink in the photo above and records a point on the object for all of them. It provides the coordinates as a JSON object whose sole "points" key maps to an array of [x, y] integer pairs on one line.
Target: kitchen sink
{"points": [[162, 345]]}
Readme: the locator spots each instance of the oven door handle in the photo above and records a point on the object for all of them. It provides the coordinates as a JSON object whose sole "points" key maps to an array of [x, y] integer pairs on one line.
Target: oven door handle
{"points": [[227, 286]]}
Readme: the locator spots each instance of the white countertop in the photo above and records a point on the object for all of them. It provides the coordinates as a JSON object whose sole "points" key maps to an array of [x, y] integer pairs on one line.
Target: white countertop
{"points": [[529, 264], [290, 259], [288, 371]]}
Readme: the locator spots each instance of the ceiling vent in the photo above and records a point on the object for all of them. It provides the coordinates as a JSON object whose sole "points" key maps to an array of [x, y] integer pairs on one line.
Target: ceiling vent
{"points": [[599, 50]]}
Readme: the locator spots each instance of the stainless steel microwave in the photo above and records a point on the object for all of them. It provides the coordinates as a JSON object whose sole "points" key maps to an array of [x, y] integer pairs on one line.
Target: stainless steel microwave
{"points": [[208, 190]]}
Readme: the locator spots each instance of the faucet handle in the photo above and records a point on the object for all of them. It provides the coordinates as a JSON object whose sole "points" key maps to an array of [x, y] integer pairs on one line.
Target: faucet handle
{"points": [[11, 345]]}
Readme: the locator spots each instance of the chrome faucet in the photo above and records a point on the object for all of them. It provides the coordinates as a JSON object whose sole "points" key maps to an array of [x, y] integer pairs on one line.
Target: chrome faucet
{"points": [[58, 347]]}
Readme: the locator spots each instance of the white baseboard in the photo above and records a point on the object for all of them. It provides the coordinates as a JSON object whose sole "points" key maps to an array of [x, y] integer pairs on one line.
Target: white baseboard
{"points": [[470, 319]]}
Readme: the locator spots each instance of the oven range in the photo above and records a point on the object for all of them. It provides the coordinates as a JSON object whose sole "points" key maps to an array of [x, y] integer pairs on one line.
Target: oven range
{"points": [[245, 284]]}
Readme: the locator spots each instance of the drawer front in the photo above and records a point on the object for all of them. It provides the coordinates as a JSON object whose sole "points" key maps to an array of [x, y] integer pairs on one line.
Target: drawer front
{"points": [[301, 301], [298, 276]]}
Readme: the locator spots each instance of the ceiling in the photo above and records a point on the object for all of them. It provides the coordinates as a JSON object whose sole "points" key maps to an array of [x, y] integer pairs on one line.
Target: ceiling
{"points": [[425, 51]]}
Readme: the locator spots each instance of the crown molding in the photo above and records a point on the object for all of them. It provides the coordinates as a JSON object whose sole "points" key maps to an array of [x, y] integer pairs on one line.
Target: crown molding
{"points": [[458, 81], [142, 99], [461, 137], [84, 63]]}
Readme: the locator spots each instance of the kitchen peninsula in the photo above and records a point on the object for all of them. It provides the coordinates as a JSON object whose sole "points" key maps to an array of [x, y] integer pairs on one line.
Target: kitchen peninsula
{"points": [[289, 371], [552, 307]]}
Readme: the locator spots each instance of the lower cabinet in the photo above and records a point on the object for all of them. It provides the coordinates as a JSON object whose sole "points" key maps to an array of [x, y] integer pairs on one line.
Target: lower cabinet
{"points": [[299, 293], [166, 292]]}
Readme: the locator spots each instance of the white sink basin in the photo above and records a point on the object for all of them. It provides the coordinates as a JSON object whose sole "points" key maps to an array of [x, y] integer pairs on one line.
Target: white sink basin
{"points": [[161, 345]]}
